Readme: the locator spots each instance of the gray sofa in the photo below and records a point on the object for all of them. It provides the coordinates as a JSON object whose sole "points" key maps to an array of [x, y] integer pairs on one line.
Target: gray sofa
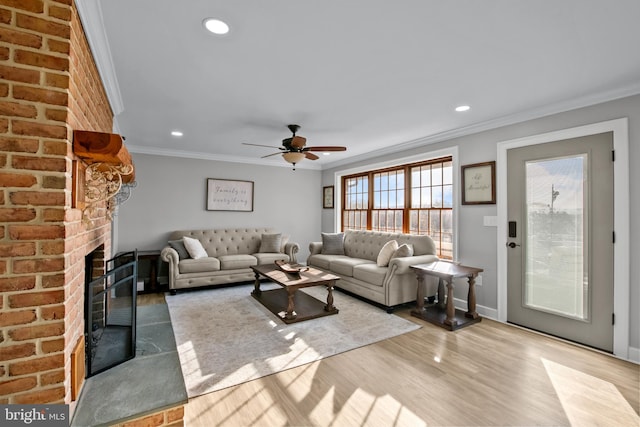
{"points": [[389, 285], [230, 253]]}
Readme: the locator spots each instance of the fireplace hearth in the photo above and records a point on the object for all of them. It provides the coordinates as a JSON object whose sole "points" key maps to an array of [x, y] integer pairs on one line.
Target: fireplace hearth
{"points": [[110, 311]]}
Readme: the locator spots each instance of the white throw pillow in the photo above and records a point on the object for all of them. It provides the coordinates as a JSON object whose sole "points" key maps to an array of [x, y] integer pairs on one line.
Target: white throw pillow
{"points": [[403, 250], [385, 253], [194, 247]]}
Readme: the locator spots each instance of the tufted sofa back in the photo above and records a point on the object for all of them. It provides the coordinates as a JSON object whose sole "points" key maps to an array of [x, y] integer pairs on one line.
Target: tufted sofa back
{"points": [[367, 244], [226, 241]]}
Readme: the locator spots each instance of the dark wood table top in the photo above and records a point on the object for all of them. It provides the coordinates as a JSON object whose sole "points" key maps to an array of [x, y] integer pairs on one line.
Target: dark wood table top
{"points": [[310, 277], [447, 270]]}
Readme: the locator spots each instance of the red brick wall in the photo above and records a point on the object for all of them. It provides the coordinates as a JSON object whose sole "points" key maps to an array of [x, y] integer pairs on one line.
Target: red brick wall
{"points": [[49, 86]]}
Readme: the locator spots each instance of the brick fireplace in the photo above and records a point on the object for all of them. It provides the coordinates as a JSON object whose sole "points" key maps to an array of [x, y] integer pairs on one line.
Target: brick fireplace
{"points": [[49, 86]]}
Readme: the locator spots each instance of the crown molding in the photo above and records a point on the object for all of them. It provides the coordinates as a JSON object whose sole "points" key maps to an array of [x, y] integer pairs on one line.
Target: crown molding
{"points": [[91, 17], [219, 158]]}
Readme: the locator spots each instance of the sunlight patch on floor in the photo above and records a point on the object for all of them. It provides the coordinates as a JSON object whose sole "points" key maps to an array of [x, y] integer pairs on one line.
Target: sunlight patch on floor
{"points": [[381, 411], [588, 400]]}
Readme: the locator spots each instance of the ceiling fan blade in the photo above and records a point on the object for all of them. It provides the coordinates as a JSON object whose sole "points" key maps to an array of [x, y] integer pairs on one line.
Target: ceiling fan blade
{"points": [[260, 145], [298, 141], [326, 148], [269, 155], [310, 156]]}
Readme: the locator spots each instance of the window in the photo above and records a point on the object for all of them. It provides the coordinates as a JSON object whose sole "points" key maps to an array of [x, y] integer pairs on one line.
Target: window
{"points": [[415, 199]]}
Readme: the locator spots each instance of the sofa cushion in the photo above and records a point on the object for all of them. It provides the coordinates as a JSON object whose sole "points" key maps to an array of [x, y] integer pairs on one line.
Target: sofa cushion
{"points": [[178, 245], [385, 253], [268, 258], [194, 247], [333, 243], [234, 262], [370, 273], [270, 243], [199, 265], [323, 261], [406, 249], [344, 266]]}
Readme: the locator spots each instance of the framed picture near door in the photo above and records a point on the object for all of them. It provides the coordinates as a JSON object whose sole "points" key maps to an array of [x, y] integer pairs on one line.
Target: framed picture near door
{"points": [[479, 184]]}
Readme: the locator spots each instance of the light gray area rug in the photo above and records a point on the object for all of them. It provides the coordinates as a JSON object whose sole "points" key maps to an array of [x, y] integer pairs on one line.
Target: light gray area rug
{"points": [[225, 337]]}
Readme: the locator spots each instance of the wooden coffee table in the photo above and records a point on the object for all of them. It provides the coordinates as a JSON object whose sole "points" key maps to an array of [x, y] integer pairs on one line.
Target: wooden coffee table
{"points": [[441, 314], [285, 302]]}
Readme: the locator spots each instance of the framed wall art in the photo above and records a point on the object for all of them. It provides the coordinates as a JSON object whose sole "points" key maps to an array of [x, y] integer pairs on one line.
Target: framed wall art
{"points": [[229, 195], [327, 197], [479, 184]]}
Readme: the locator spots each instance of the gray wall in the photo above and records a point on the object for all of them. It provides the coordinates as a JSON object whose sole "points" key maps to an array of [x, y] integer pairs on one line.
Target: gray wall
{"points": [[477, 243], [171, 195]]}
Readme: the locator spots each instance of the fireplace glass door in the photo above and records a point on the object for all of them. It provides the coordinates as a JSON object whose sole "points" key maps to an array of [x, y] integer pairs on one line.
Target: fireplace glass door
{"points": [[110, 324]]}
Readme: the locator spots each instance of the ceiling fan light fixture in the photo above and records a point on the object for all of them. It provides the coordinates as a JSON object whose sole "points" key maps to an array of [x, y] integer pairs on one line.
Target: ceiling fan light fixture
{"points": [[216, 26], [293, 157]]}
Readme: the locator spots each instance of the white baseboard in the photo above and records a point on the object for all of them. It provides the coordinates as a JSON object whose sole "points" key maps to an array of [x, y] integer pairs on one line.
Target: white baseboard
{"points": [[489, 313], [634, 354]]}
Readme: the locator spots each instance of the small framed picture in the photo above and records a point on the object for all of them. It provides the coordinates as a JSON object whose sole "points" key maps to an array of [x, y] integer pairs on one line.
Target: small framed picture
{"points": [[327, 197], [479, 184]]}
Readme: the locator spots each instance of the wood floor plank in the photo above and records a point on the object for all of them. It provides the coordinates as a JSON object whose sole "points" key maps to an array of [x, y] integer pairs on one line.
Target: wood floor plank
{"points": [[484, 375]]}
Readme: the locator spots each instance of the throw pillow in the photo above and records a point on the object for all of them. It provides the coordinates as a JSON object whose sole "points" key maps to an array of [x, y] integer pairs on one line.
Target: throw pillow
{"points": [[194, 247], [403, 251], [385, 253], [178, 245], [270, 243], [333, 243]]}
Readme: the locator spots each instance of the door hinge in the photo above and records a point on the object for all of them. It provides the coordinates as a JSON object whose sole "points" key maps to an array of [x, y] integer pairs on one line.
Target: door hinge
{"points": [[613, 233], [613, 155], [613, 318]]}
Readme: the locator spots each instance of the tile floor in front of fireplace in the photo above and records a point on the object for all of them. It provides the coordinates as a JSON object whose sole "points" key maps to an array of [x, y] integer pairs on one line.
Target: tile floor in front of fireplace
{"points": [[148, 383]]}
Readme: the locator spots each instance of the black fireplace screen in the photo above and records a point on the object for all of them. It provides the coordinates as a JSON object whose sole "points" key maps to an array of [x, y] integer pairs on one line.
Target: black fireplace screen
{"points": [[110, 323]]}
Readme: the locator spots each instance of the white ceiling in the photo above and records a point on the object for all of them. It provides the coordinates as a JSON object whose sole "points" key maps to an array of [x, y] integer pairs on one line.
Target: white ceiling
{"points": [[373, 75]]}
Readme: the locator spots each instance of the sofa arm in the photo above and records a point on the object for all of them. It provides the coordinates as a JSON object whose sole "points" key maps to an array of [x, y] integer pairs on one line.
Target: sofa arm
{"points": [[315, 248], [401, 265], [292, 249], [170, 255]]}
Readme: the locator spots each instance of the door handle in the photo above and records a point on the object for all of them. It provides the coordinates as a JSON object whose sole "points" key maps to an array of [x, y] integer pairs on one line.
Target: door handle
{"points": [[512, 244]]}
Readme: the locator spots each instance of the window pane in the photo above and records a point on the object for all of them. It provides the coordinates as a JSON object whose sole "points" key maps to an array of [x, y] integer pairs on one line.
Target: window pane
{"points": [[435, 221], [413, 221], [447, 173], [436, 197], [436, 174], [425, 175], [447, 196], [392, 200], [425, 197], [415, 198]]}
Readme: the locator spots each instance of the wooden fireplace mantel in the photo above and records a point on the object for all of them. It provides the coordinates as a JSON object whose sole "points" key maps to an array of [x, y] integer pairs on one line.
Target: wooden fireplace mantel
{"points": [[101, 147]]}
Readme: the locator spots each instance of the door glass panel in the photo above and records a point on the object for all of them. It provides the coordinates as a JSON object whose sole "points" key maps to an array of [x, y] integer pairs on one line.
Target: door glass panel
{"points": [[556, 278]]}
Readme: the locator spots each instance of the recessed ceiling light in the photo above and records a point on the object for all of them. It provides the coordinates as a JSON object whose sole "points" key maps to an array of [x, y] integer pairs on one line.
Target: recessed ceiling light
{"points": [[462, 108], [176, 133], [326, 154], [216, 26]]}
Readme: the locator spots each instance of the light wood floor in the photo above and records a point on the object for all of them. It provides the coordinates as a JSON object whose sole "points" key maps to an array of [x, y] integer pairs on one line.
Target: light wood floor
{"points": [[485, 375]]}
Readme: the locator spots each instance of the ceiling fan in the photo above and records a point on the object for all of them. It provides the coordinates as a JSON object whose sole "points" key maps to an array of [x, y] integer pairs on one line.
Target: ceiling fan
{"points": [[293, 149]]}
